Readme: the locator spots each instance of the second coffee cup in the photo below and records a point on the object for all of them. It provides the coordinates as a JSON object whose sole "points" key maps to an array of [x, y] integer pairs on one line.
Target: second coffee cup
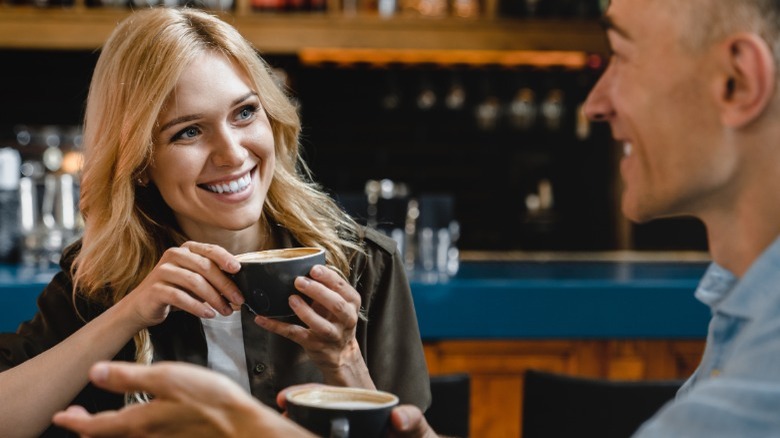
{"points": [[266, 279], [340, 412]]}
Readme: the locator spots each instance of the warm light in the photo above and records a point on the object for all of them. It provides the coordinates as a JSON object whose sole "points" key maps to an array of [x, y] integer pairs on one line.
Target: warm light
{"points": [[71, 162], [507, 58]]}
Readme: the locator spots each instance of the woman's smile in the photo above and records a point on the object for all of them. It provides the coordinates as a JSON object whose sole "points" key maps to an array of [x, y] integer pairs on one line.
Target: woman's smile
{"points": [[230, 186]]}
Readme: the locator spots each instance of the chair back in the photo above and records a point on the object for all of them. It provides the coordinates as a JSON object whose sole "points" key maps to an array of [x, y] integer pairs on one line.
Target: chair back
{"points": [[556, 405], [451, 406]]}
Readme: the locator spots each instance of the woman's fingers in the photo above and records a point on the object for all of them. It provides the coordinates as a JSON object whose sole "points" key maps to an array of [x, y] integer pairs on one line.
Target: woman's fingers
{"points": [[293, 332], [329, 320], [213, 262], [331, 292], [333, 281], [196, 273], [224, 260]]}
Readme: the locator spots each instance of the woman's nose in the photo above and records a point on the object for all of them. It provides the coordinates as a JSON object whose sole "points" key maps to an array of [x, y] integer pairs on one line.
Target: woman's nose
{"points": [[227, 149]]}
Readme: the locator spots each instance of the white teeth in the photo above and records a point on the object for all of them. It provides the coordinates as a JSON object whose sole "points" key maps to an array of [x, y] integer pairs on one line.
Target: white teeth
{"points": [[234, 186], [627, 147]]}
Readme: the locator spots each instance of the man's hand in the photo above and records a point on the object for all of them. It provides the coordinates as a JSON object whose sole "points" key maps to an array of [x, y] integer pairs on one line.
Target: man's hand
{"points": [[408, 422], [189, 401]]}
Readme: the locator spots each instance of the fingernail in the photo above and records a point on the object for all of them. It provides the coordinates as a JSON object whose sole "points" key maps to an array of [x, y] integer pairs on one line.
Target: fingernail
{"points": [[295, 300], [99, 372], [238, 298], [316, 271], [261, 321], [404, 420], [304, 281], [209, 313], [234, 266]]}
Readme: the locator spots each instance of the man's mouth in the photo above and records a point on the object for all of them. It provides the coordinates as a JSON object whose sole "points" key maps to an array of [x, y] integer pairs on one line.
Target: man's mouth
{"points": [[231, 186]]}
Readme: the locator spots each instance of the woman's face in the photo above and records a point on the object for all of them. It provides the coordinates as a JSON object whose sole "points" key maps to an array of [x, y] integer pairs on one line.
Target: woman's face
{"points": [[214, 156]]}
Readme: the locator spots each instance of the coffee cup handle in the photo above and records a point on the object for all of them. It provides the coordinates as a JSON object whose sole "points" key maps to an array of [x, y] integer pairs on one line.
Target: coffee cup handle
{"points": [[339, 428]]}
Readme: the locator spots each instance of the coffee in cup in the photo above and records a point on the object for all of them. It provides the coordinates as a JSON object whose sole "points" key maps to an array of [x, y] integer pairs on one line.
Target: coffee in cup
{"points": [[342, 412], [266, 279]]}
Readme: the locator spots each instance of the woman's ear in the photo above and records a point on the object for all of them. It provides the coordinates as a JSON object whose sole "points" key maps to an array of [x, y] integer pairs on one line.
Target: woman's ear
{"points": [[746, 79], [142, 180]]}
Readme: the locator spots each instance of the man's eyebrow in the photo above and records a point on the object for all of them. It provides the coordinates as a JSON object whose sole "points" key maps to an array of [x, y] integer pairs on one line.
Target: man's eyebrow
{"points": [[609, 24]]}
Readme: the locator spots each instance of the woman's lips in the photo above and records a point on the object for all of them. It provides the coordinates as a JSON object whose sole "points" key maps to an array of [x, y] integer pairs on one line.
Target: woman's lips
{"points": [[230, 186]]}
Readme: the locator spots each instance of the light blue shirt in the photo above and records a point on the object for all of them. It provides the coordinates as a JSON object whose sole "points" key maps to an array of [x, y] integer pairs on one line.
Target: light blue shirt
{"points": [[735, 391]]}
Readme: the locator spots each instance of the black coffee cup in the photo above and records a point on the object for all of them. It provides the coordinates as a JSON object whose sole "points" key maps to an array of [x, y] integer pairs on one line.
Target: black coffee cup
{"points": [[340, 412], [266, 279]]}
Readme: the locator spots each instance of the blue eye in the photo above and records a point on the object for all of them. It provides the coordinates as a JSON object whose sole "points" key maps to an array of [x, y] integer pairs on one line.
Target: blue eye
{"points": [[247, 112], [187, 133]]}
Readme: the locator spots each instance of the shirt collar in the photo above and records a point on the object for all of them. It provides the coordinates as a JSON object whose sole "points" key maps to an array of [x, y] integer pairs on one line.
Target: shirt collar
{"points": [[743, 297], [715, 285]]}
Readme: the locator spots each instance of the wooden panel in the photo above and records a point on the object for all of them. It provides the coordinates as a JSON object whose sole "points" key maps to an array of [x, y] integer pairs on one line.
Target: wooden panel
{"points": [[87, 28], [497, 367], [499, 408]]}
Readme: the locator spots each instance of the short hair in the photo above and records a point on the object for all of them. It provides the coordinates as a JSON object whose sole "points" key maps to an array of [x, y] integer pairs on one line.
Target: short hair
{"points": [[708, 21]]}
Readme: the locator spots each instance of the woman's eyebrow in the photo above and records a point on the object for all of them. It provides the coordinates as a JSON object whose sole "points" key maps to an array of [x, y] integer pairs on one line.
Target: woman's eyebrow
{"points": [[178, 120], [244, 97], [190, 117]]}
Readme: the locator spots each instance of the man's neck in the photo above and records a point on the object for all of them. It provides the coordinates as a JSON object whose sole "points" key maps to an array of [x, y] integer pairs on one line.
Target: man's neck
{"points": [[737, 238]]}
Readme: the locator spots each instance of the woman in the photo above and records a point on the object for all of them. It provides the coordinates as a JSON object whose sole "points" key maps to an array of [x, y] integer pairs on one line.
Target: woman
{"points": [[192, 156]]}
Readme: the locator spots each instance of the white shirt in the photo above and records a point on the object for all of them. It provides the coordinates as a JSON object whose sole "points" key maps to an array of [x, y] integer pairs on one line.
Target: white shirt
{"points": [[225, 345]]}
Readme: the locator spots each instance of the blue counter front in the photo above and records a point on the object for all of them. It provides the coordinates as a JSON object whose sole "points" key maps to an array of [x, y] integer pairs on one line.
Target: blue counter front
{"points": [[566, 300], [508, 300], [19, 289]]}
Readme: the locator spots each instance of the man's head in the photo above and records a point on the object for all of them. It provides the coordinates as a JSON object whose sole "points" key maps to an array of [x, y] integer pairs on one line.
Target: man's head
{"points": [[689, 88], [707, 21]]}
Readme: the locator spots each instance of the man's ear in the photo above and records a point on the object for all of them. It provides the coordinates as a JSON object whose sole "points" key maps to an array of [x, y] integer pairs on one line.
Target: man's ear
{"points": [[746, 80]]}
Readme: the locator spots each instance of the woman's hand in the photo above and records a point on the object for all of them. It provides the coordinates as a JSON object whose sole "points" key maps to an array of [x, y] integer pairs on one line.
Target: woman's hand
{"points": [[331, 320], [192, 278]]}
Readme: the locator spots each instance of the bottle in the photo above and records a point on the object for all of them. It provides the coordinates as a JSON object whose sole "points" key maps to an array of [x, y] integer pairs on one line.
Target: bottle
{"points": [[10, 163]]}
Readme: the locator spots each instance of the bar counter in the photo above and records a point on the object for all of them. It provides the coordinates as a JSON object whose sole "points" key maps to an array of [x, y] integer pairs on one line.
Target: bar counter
{"points": [[563, 300], [510, 299]]}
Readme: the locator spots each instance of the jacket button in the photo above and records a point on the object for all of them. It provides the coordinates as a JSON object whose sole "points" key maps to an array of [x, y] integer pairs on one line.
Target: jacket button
{"points": [[260, 368]]}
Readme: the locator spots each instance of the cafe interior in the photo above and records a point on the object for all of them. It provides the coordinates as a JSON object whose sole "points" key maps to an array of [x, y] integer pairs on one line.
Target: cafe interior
{"points": [[456, 128]]}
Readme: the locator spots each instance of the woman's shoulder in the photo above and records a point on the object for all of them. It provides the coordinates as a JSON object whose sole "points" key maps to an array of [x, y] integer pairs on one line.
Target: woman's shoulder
{"points": [[374, 241], [69, 255]]}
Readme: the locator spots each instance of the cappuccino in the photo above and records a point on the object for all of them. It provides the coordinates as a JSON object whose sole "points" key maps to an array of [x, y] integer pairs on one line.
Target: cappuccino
{"points": [[276, 255], [343, 398]]}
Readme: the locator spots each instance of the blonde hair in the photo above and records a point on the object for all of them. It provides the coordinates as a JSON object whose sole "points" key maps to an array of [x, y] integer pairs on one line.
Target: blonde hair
{"points": [[128, 227]]}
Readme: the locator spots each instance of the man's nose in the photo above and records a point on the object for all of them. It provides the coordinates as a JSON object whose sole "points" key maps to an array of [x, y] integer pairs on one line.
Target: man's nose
{"points": [[598, 106]]}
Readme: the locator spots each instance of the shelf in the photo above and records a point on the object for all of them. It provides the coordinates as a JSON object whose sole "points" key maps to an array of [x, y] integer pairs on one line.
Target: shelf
{"points": [[80, 28]]}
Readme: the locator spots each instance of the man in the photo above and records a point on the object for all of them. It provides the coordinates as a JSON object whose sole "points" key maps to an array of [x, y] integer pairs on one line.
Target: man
{"points": [[692, 92]]}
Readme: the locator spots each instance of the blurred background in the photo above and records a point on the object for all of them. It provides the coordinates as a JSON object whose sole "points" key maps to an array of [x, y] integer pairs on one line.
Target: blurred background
{"points": [[470, 108], [453, 126]]}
